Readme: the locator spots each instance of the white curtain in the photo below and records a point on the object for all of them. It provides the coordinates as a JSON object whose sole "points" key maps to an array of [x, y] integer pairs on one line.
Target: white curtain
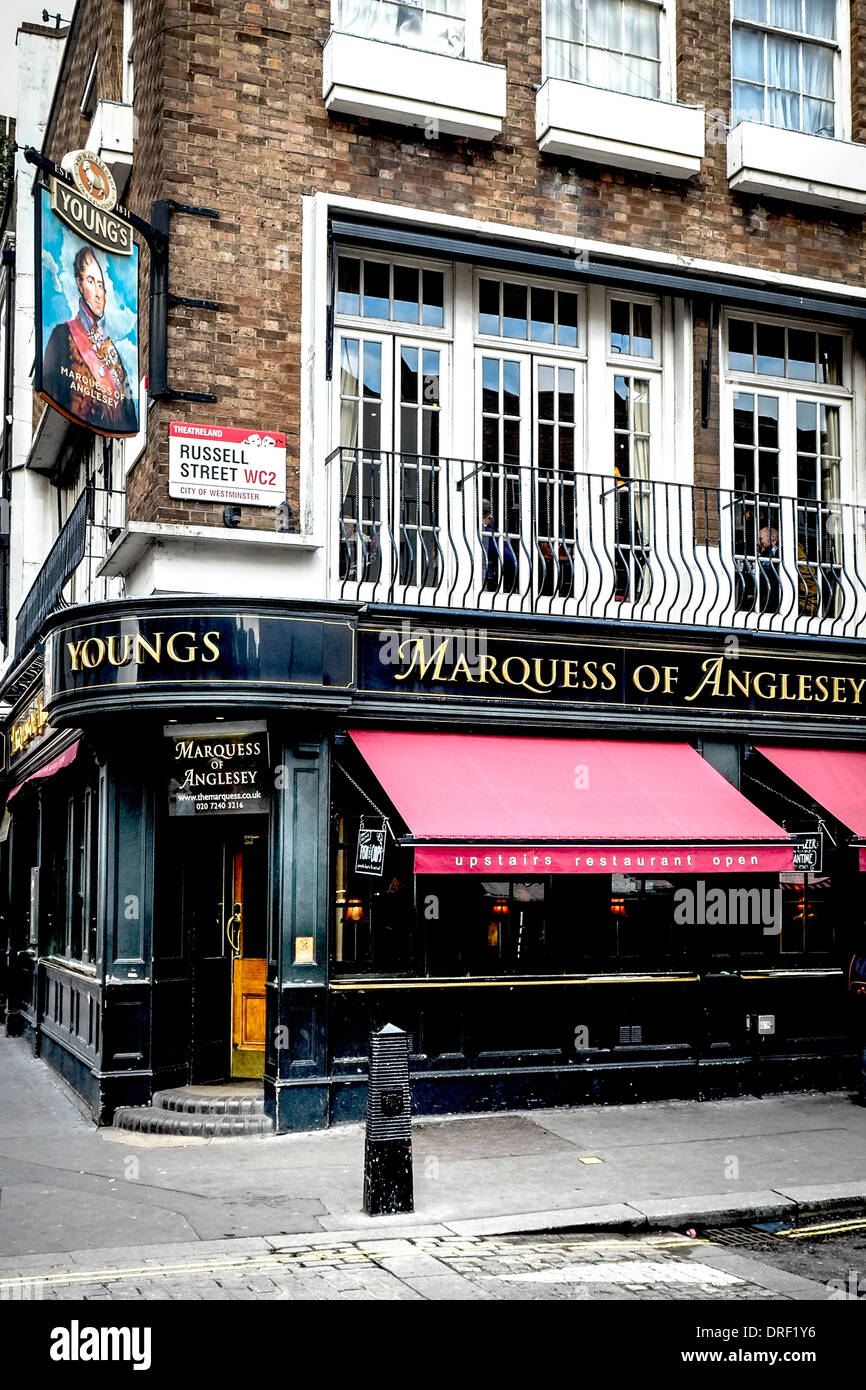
{"points": [[430, 24]]}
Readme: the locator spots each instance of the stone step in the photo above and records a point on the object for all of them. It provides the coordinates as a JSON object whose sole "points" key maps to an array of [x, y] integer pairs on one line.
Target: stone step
{"points": [[142, 1119], [216, 1100]]}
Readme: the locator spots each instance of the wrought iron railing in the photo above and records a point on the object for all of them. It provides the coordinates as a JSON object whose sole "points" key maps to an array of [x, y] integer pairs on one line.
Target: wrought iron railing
{"points": [[460, 533], [74, 559]]}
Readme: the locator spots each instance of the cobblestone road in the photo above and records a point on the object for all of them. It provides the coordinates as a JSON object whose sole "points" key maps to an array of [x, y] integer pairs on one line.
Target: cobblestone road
{"points": [[588, 1267]]}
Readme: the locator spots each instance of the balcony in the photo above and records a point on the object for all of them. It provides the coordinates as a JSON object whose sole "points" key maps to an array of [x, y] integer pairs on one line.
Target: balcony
{"points": [[405, 86], [615, 128], [73, 562], [456, 533], [768, 162]]}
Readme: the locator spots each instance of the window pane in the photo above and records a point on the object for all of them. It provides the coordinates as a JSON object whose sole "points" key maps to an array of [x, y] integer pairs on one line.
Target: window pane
{"points": [[817, 71], [620, 333], [807, 427], [349, 367], [783, 64], [771, 350], [741, 354], [488, 307], [567, 335], [377, 278], [750, 9], [433, 309], [620, 402], [748, 103], [514, 311], [566, 395], [786, 14], [546, 379], [511, 388], [783, 109], [801, 355], [768, 421], [744, 426], [564, 21], [641, 29], [819, 118], [830, 359], [642, 338], [603, 20], [542, 316], [490, 385], [821, 18], [748, 55], [430, 384], [372, 369], [409, 374], [348, 286], [406, 287]]}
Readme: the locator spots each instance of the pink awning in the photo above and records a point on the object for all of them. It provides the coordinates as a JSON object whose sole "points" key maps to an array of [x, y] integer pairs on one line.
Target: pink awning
{"points": [[833, 777], [478, 802], [64, 759]]}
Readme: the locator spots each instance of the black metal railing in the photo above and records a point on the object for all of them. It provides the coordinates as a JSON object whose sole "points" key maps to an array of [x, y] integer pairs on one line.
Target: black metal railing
{"points": [[460, 533], [77, 553]]}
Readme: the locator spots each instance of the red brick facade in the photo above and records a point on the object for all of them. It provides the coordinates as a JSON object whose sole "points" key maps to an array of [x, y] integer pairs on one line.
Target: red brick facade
{"points": [[230, 116]]}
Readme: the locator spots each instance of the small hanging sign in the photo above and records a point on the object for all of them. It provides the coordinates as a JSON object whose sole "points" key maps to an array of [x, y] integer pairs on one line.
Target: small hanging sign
{"points": [[808, 853], [370, 857]]}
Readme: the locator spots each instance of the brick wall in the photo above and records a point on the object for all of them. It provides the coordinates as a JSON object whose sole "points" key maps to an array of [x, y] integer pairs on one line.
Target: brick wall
{"points": [[231, 116]]}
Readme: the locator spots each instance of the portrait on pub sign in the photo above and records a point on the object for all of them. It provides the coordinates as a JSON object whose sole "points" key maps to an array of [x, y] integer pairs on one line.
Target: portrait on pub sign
{"points": [[87, 329]]}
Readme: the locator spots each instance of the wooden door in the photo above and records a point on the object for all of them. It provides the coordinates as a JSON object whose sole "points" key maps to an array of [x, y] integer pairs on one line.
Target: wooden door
{"points": [[247, 930]]}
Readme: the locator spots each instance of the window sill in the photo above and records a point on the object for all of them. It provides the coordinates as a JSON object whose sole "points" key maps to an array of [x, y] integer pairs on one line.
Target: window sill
{"points": [[614, 128], [411, 87], [768, 162]]}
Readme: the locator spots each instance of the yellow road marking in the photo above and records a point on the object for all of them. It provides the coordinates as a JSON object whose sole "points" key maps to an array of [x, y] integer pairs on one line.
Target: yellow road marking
{"points": [[826, 1228]]}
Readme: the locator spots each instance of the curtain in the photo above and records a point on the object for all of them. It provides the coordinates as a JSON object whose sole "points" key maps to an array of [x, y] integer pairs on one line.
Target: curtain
{"points": [[430, 24], [641, 458], [350, 390]]}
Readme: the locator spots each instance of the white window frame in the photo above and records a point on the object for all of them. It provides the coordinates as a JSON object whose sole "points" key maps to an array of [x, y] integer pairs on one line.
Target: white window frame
{"points": [[841, 66], [733, 381], [472, 50], [667, 49], [128, 76], [368, 323]]}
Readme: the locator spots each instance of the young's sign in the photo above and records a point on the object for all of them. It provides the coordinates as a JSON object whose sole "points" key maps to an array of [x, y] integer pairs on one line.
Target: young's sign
{"points": [[214, 463], [86, 312]]}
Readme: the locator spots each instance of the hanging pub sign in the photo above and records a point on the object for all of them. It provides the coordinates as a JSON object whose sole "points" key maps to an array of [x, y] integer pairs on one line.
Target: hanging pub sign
{"points": [[86, 301], [370, 857], [808, 853], [215, 463], [218, 769]]}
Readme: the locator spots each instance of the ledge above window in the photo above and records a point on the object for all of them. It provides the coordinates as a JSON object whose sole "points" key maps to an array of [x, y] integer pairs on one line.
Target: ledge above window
{"points": [[769, 162], [615, 128], [411, 87], [111, 136]]}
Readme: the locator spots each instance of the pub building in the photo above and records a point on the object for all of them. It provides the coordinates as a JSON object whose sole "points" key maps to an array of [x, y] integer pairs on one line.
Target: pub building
{"points": [[240, 835], [471, 636]]}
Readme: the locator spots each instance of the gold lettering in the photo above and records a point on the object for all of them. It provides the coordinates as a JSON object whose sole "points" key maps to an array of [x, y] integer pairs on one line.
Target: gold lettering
{"points": [[608, 672], [418, 654], [802, 693], [74, 650], [524, 663], [785, 695], [212, 646], [672, 676], [742, 685], [488, 668], [536, 666], [192, 651], [570, 673], [86, 659], [655, 677], [838, 687], [712, 669], [821, 684], [590, 680], [112, 657], [461, 667], [764, 694], [856, 686], [153, 649]]}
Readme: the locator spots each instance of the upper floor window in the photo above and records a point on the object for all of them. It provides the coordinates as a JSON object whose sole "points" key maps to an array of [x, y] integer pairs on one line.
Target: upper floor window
{"points": [[399, 293], [440, 26], [786, 64], [615, 44]]}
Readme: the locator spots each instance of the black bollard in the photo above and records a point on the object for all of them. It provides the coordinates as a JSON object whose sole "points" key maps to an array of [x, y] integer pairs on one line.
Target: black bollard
{"points": [[388, 1146]]}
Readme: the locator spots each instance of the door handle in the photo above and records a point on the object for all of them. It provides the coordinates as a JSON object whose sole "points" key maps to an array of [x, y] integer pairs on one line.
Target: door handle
{"points": [[233, 930]]}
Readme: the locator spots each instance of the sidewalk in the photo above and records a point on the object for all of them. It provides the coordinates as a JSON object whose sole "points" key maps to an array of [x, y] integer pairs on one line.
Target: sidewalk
{"points": [[68, 1187]]}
